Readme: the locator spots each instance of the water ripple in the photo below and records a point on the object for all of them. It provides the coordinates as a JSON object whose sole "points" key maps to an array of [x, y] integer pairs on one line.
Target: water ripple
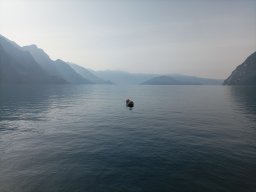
{"points": [[83, 138]]}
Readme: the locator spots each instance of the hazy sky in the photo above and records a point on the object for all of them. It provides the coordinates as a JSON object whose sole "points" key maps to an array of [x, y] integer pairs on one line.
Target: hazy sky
{"points": [[197, 37]]}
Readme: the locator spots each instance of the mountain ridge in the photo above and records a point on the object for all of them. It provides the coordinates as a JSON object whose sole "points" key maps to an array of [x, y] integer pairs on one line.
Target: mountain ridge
{"points": [[58, 68], [89, 75], [19, 67]]}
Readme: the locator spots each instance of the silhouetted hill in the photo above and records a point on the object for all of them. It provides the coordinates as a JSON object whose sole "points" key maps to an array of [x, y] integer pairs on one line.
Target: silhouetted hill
{"points": [[88, 75], [244, 74], [56, 68], [18, 66]]}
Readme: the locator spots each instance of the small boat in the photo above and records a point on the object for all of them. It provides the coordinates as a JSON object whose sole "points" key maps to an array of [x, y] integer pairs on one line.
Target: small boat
{"points": [[129, 103]]}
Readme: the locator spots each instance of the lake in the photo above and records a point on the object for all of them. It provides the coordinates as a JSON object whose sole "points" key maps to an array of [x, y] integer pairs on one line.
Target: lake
{"points": [[83, 138]]}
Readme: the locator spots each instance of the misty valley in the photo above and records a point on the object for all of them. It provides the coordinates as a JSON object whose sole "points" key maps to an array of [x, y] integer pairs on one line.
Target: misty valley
{"points": [[65, 127]]}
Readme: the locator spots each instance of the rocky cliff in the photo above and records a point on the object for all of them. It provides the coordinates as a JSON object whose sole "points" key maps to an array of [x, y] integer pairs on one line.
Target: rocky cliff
{"points": [[244, 74]]}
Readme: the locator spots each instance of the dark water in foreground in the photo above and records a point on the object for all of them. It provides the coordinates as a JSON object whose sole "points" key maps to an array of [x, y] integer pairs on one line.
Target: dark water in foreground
{"points": [[83, 138]]}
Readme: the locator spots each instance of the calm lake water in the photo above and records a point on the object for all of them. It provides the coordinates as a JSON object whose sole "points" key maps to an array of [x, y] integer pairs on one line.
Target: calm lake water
{"points": [[83, 138]]}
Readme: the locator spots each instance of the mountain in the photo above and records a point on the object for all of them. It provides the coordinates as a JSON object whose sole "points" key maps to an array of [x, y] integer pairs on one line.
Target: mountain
{"points": [[56, 68], [244, 74], [30, 64], [88, 75], [197, 80], [167, 80], [181, 80], [18, 66], [123, 78], [69, 74]]}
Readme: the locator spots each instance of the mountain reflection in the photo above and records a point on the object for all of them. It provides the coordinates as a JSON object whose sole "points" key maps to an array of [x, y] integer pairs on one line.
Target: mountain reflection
{"points": [[245, 96], [23, 104]]}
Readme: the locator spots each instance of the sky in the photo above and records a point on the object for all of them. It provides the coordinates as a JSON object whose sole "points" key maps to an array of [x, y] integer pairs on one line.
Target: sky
{"points": [[193, 37]]}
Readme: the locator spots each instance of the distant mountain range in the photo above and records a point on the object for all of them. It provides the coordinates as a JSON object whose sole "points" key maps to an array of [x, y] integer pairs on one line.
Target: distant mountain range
{"points": [[121, 77], [244, 74], [32, 65], [181, 80], [88, 75]]}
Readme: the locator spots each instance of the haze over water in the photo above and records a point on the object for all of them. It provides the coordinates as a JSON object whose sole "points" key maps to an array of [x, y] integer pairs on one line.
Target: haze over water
{"points": [[83, 138], [199, 38]]}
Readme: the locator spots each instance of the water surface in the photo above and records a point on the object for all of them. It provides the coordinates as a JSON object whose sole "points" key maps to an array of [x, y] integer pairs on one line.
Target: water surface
{"points": [[83, 138]]}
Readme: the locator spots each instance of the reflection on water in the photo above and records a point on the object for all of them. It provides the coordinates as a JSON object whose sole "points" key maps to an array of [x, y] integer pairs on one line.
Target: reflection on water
{"points": [[84, 138], [24, 104], [245, 96]]}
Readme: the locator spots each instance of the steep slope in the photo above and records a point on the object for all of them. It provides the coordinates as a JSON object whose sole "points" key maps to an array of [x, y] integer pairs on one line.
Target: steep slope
{"points": [[56, 68], [42, 59], [18, 66], [244, 74], [88, 75]]}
